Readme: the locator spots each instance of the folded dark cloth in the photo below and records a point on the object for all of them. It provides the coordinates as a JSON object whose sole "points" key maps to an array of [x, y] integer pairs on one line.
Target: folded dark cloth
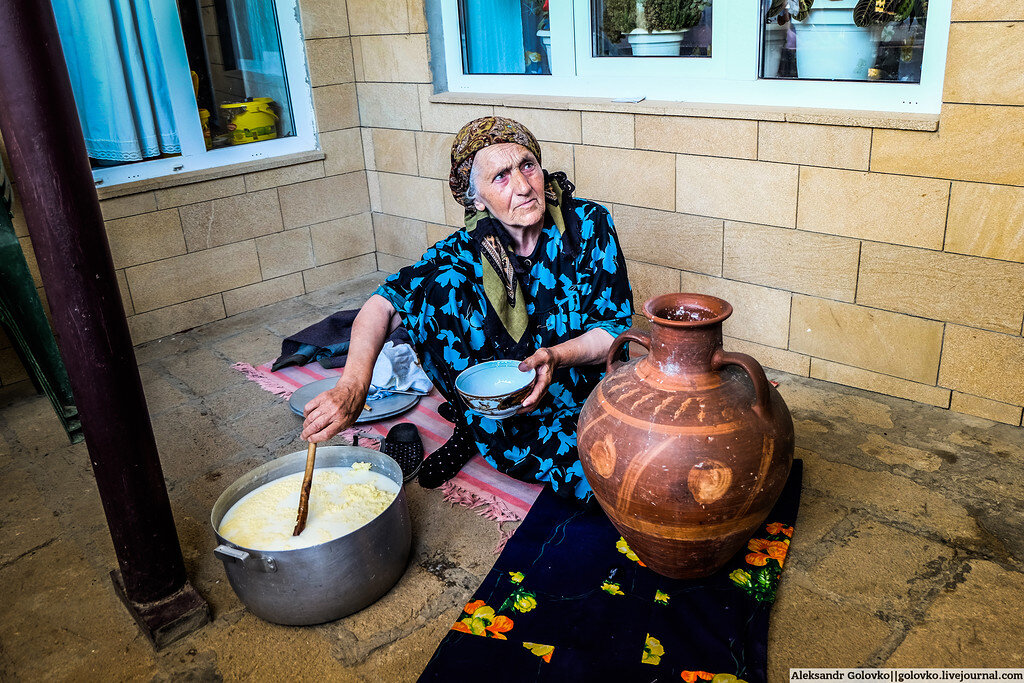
{"points": [[567, 600], [326, 341]]}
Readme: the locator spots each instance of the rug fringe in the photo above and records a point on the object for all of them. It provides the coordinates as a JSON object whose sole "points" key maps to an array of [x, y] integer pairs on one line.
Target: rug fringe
{"points": [[267, 382], [486, 506]]}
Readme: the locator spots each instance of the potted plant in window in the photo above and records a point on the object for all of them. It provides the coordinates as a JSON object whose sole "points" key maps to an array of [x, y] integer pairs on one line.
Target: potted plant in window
{"points": [[900, 42], [652, 27], [829, 44]]}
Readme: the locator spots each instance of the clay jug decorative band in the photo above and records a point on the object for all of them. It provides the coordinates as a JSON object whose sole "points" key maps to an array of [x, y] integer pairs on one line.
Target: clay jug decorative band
{"points": [[687, 448]]}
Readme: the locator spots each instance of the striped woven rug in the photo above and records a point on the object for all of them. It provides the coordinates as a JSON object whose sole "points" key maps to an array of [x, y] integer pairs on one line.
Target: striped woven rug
{"points": [[478, 486]]}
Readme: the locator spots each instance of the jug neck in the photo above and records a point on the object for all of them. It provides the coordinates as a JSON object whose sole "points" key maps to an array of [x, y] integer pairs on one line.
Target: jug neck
{"points": [[686, 330]]}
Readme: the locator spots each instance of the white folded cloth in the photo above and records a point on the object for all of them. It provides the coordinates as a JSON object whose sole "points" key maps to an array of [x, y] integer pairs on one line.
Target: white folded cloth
{"points": [[396, 368]]}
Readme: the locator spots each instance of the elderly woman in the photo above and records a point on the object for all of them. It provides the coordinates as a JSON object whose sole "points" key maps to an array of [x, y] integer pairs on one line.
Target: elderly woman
{"points": [[537, 275]]}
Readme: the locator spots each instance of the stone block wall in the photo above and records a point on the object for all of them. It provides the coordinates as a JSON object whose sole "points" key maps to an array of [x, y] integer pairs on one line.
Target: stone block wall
{"points": [[886, 259], [852, 251]]}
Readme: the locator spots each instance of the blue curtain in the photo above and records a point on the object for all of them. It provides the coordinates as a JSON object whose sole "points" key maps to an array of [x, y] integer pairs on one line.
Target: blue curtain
{"points": [[119, 54], [494, 37]]}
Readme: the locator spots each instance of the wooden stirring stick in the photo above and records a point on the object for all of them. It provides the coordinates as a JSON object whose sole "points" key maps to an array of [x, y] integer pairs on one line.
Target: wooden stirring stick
{"points": [[307, 483]]}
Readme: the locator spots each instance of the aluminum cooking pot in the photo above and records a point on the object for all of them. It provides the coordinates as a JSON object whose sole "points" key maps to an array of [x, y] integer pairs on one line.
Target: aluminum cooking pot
{"points": [[322, 582]]}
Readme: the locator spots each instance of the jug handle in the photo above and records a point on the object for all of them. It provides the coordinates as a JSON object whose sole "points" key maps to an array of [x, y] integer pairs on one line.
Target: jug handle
{"points": [[640, 338], [762, 389]]}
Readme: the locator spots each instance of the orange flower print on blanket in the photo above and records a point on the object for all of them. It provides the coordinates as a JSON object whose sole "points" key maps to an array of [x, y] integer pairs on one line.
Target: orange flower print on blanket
{"points": [[542, 651], [761, 577], [776, 528], [483, 622], [692, 676], [765, 550]]}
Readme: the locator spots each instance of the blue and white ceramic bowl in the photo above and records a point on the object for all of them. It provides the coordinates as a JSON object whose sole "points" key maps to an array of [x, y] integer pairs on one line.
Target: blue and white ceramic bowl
{"points": [[495, 389]]}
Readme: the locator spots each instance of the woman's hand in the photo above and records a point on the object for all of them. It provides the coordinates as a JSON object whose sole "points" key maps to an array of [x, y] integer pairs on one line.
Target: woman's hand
{"points": [[332, 411], [545, 361]]}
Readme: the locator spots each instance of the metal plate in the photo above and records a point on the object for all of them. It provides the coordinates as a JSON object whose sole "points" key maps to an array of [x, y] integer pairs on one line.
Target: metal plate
{"points": [[382, 408]]}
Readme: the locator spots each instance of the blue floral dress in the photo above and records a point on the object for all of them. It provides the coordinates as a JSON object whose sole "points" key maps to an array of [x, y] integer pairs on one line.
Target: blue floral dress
{"points": [[574, 281]]}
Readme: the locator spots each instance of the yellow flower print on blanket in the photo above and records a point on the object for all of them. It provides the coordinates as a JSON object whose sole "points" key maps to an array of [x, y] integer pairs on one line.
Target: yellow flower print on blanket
{"points": [[483, 622], [542, 651], [653, 651]]}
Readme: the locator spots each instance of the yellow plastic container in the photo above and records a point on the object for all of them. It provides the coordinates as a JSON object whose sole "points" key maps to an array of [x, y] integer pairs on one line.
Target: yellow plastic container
{"points": [[204, 118], [250, 121]]}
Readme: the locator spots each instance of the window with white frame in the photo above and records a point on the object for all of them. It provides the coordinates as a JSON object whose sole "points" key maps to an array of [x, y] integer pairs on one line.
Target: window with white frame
{"points": [[167, 87], [871, 55]]}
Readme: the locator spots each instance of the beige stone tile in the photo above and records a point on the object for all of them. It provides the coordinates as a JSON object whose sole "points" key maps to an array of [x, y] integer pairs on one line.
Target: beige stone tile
{"points": [[397, 236], [192, 276], [675, 240], [992, 10], [146, 237], [986, 220], [126, 298], [982, 364], [152, 325], [373, 185], [882, 384], [609, 174], [556, 157], [389, 105], [395, 58], [547, 125], [329, 61], [813, 145], [983, 407], [342, 238], [199, 192], [815, 631], [357, 59], [436, 233], [978, 69], [394, 151], [697, 135], [386, 263], [11, 368], [873, 206], [263, 293], [378, 16], [963, 289], [285, 252], [759, 315], [974, 142], [799, 261], [344, 150], [417, 17], [367, 141], [339, 271], [454, 213], [316, 201], [412, 197], [129, 205], [434, 154], [982, 609], [770, 356], [285, 175], [231, 219], [336, 107], [447, 118], [323, 18], [751, 191], [649, 281], [880, 341], [608, 130]]}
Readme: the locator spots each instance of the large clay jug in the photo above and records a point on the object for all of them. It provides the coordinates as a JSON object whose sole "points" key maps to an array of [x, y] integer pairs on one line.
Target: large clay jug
{"points": [[687, 448]]}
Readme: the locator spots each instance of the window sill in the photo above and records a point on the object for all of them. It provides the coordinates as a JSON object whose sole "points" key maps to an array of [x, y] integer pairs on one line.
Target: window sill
{"points": [[829, 117], [199, 176]]}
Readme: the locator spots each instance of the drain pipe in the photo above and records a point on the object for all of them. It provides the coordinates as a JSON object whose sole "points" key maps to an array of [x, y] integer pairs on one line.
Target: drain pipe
{"points": [[52, 177]]}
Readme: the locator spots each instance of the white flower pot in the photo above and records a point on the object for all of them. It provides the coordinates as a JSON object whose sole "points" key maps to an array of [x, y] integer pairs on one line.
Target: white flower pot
{"points": [[830, 46], [655, 43], [774, 41], [545, 38]]}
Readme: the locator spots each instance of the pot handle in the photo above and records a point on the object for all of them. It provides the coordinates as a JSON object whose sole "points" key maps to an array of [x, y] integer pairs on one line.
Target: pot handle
{"points": [[633, 335], [227, 553], [762, 389]]}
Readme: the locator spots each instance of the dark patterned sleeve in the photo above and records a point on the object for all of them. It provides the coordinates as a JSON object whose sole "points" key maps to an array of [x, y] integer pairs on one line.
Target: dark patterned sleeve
{"points": [[606, 300], [406, 288]]}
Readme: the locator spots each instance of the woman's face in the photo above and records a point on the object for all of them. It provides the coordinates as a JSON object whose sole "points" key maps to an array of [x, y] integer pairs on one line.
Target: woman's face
{"points": [[510, 184]]}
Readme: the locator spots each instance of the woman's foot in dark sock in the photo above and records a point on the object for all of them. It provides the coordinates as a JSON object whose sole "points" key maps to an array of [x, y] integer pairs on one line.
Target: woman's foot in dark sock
{"points": [[446, 461]]}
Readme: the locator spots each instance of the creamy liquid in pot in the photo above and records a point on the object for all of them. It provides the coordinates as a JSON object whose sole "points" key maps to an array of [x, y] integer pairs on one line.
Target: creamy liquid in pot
{"points": [[341, 500]]}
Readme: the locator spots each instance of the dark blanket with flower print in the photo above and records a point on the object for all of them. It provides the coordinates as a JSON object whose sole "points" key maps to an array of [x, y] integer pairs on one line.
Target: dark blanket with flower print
{"points": [[568, 600]]}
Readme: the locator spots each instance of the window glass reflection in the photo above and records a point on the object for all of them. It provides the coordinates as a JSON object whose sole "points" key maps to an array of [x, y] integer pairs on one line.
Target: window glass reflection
{"points": [[505, 36]]}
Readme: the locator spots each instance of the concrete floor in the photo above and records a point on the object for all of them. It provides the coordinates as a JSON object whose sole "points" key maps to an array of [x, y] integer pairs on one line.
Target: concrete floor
{"points": [[909, 548]]}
